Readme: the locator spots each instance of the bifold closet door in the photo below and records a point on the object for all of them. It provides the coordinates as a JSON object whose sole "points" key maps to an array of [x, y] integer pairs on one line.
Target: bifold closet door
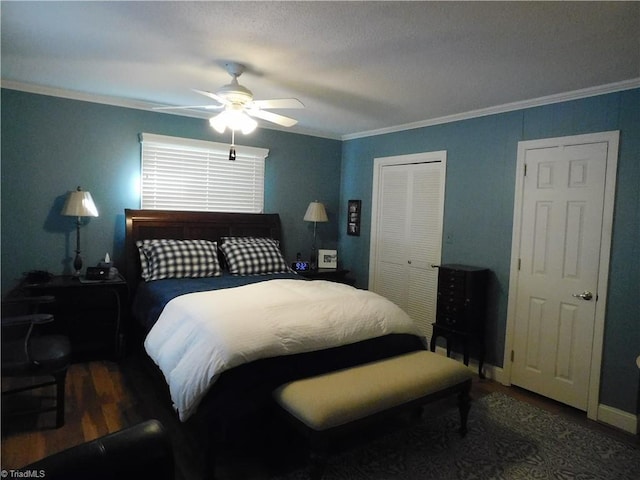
{"points": [[408, 238]]}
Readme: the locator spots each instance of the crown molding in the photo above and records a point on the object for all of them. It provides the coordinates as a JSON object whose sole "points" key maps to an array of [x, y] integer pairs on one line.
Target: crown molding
{"points": [[141, 105], [508, 107], [75, 95]]}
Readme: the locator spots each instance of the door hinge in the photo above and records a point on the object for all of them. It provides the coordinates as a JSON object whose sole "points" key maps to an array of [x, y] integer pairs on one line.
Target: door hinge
{"points": [[525, 169], [512, 355], [519, 263]]}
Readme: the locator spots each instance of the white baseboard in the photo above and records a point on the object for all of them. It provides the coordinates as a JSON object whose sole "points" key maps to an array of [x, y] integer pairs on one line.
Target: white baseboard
{"points": [[618, 418], [611, 416]]}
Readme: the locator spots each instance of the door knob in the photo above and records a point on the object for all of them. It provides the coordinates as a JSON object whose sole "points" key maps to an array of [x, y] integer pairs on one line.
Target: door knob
{"points": [[584, 295]]}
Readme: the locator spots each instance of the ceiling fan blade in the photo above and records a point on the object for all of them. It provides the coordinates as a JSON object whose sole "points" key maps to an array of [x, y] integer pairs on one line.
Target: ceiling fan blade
{"points": [[206, 107], [278, 103], [272, 117], [217, 98]]}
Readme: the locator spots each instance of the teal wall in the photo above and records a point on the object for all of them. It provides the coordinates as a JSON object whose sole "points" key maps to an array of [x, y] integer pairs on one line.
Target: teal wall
{"points": [[478, 217], [50, 145]]}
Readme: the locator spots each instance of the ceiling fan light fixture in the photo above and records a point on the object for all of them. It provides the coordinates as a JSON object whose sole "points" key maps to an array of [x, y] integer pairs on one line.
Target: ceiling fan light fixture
{"points": [[218, 123], [234, 120], [248, 124]]}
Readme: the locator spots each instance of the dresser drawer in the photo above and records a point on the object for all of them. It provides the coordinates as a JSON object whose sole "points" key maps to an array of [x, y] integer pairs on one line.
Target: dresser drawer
{"points": [[451, 283], [452, 297], [455, 321]]}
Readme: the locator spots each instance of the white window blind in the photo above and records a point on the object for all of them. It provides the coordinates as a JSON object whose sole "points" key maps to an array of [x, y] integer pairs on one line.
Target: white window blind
{"points": [[185, 174]]}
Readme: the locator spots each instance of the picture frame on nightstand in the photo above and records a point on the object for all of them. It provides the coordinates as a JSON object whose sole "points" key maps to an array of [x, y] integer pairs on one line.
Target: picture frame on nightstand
{"points": [[327, 258]]}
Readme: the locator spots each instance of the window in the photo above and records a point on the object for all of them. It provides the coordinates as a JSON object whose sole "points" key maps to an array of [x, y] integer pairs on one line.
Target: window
{"points": [[185, 174]]}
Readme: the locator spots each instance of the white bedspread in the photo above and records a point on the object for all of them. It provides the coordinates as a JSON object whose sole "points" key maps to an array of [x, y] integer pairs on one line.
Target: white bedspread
{"points": [[200, 335]]}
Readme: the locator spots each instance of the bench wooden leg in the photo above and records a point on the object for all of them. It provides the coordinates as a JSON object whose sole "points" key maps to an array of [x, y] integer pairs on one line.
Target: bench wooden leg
{"points": [[318, 465], [210, 443], [416, 412], [464, 404], [209, 466], [318, 456]]}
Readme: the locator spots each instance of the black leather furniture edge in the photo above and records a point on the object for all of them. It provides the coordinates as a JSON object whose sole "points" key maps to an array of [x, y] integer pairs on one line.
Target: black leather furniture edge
{"points": [[141, 451]]}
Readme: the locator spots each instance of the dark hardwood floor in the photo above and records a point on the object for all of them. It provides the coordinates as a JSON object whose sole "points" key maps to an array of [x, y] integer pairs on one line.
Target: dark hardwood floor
{"points": [[105, 396]]}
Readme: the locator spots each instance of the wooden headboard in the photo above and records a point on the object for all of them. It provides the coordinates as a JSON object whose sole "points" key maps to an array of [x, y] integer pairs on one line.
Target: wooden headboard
{"points": [[149, 224]]}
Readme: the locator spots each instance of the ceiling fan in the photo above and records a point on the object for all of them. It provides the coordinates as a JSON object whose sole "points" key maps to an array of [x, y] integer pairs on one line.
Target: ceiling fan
{"points": [[238, 105]]}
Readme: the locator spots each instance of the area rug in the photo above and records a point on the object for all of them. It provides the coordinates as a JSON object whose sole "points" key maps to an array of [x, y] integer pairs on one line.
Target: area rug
{"points": [[507, 439]]}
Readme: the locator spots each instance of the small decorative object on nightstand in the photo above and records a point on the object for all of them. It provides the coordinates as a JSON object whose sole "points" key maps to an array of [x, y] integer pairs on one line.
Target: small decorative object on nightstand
{"points": [[327, 258]]}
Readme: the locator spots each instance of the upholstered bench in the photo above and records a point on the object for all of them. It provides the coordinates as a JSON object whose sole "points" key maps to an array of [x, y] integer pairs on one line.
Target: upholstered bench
{"points": [[327, 405]]}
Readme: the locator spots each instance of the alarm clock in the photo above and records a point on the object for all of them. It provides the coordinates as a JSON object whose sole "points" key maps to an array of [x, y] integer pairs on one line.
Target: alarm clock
{"points": [[300, 266]]}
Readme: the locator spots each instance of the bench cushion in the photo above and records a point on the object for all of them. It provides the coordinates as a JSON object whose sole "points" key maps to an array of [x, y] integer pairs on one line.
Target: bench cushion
{"points": [[340, 397]]}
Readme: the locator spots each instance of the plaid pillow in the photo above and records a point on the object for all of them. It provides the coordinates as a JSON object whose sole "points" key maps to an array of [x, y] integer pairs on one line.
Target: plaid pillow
{"points": [[249, 239], [167, 258], [254, 258], [144, 261]]}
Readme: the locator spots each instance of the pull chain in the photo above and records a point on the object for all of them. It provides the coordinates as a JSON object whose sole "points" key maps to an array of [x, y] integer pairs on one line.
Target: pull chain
{"points": [[232, 150]]}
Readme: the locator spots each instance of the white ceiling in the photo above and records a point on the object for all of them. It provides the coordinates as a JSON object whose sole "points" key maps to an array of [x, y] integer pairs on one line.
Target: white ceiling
{"points": [[359, 67]]}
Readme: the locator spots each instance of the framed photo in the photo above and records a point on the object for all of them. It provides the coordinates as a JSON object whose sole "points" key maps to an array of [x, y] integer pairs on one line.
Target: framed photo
{"points": [[353, 217], [327, 258]]}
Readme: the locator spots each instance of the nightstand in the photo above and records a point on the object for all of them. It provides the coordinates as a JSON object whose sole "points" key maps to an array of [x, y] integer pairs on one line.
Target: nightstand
{"points": [[91, 313], [331, 274]]}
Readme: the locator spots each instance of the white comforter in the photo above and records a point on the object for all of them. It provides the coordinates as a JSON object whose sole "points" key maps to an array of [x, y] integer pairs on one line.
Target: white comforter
{"points": [[200, 335]]}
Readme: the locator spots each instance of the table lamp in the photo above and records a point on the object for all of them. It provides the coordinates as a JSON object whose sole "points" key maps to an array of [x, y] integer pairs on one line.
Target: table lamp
{"points": [[315, 213], [79, 204]]}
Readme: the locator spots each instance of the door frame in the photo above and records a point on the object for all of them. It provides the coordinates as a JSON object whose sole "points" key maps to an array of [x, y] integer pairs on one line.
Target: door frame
{"points": [[380, 162], [612, 139]]}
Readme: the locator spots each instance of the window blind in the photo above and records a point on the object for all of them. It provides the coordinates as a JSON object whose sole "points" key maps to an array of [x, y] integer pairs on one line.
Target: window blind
{"points": [[185, 174]]}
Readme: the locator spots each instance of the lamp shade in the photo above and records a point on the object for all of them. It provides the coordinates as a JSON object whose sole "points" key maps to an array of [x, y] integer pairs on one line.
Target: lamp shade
{"points": [[316, 213], [79, 204]]}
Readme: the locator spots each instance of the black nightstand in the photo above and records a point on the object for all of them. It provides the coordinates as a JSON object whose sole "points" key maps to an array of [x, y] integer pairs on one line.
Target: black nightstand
{"points": [[331, 274], [91, 313]]}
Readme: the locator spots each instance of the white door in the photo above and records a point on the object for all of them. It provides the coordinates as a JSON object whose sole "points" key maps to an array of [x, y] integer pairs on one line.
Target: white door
{"points": [[559, 276], [407, 217]]}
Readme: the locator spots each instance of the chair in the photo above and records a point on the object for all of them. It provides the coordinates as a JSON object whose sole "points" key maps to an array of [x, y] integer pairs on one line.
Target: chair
{"points": [[141, 451], [26, 353]]}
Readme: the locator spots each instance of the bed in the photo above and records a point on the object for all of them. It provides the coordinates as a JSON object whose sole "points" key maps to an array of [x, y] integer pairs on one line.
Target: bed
{"points": [[242, 388]]}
